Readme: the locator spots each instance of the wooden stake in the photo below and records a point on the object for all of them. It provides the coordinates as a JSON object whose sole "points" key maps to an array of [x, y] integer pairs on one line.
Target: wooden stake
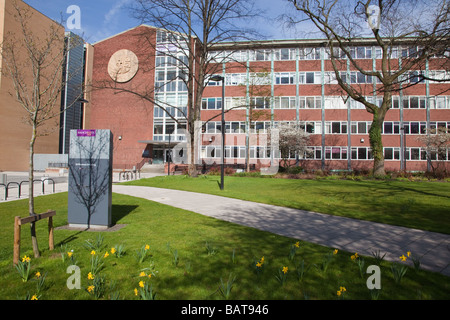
{"points": [[16, 240], [50, 233]]}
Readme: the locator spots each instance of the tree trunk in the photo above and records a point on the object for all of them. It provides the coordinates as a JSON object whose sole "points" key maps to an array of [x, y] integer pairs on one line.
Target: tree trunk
{"points": [[376, 143], [192, 166], [31, 195]]}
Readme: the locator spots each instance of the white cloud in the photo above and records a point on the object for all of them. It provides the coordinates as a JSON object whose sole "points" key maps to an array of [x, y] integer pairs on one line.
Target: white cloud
{"points": [[112, 16]]}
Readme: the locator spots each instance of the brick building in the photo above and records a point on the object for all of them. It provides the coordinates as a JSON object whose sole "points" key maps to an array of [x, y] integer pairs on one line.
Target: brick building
{"points": [[15, 133], [286, 81]]}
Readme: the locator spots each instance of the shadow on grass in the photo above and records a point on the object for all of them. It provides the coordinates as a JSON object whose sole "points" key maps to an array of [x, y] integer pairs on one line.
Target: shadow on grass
{"points": [[120, 211]]}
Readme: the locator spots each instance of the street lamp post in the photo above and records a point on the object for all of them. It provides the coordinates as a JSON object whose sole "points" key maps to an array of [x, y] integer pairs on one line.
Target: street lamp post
{"points": [[222, 168]]}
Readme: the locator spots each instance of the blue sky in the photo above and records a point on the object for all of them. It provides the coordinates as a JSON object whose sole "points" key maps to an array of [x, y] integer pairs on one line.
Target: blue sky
{"points": [[104, 18]]}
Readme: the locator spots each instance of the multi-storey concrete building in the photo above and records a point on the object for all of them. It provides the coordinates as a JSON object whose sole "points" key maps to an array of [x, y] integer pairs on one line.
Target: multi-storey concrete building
{"points": [[285, 81]]}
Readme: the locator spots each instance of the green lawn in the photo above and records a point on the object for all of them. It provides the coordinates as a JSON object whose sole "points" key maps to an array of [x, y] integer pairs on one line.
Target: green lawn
{"points": [[197, 272], [421, 205]]}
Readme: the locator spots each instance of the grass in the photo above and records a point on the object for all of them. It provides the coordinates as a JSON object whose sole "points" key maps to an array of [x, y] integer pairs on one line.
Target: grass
{"points": [[420, 205], [192, 257]]}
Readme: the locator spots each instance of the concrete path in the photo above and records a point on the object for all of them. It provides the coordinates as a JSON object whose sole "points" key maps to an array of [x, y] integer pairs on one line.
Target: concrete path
{"points": [[336, 232]]}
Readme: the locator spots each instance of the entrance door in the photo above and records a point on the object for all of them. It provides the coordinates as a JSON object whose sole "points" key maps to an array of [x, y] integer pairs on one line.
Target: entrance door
{"points": [[158, 156]]}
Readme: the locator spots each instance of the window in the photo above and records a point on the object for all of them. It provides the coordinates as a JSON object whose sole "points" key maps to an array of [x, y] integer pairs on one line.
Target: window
{"points": [[284, 78], [335, 127], [361, 153], [211, 103], [284, 103], [310, 78], [336, 153], [391, 153]]}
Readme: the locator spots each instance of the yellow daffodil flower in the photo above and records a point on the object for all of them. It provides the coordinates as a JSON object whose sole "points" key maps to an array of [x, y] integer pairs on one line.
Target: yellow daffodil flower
{"points": [[141, 284], [285, 270], [142, 274], [135, 291], [69, 254], [90, 276], [90, 288], [113, 250], [93, 252], [402, 257], [106, 255], [34, 297], [297, 244], [38, 274], [335, 251], [147, 247]]}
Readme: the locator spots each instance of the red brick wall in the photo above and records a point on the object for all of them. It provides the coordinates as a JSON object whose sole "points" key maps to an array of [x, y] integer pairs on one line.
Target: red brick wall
{"points": [[125, 114]]}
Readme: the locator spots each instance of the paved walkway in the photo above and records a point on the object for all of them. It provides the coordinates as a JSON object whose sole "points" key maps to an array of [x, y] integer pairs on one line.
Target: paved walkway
{"points": [[336, 232]]}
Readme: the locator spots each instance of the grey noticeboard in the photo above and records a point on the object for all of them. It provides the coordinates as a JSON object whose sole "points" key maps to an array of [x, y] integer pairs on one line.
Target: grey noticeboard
{"points": [[90, 178]]}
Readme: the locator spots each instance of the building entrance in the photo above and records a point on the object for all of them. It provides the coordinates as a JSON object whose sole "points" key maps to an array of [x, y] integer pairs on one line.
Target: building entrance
{"points": [[158, 155]]}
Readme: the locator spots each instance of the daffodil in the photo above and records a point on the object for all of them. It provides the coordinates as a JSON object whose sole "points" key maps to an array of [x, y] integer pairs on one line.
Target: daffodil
{"points": [[135, 291], [285, 270], [147, 247], [408, 253], [69, 254], [106, 255], [26, 259], [113, 250], [141, 284], [297, 244], [90, 288], [142, 274], [93, 252], [34, 297], [335, 251], [259, 264], [90, 276], [339, 292], [38, 274], [402, 257]]}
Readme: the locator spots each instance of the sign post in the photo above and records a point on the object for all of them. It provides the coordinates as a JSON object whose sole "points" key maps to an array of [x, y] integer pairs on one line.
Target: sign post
{"points": [[90, 179]]}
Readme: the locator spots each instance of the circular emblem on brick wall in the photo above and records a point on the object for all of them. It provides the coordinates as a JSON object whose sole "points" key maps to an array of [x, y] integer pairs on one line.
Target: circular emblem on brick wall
{"points": [[123, 65]]}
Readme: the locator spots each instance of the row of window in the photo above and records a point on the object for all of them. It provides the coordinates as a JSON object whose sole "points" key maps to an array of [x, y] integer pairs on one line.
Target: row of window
{"points": [[330, 102], [330, 153], [329, 77], [331, 127], [311, 53]]}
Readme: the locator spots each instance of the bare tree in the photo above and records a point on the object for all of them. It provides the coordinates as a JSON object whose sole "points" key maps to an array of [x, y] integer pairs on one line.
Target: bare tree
{"points": [[191, 28], [420, 27], [259, 94], [34, 62]]}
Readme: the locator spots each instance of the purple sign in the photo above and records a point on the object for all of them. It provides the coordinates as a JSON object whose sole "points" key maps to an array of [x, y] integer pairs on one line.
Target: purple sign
{"points": [[85, 133]]}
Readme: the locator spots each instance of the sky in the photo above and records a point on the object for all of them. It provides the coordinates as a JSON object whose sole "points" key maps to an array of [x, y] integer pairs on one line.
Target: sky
{"points": [[100, 19]]}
